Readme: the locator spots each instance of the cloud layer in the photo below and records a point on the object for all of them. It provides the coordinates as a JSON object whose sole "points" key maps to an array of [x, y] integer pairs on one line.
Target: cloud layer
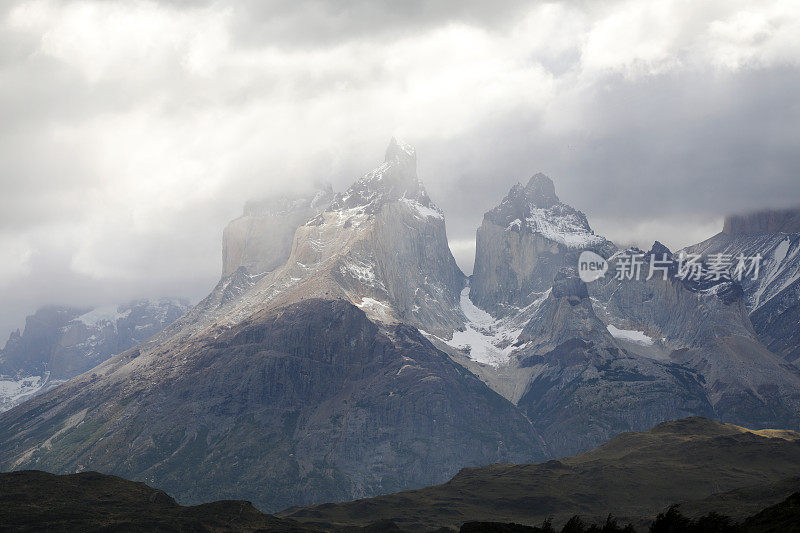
{"points": [[131, 132]]}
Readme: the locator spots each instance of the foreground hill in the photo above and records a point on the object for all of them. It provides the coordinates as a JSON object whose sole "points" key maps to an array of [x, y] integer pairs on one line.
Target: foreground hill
{"points": [[635, 475], [38, 501]]}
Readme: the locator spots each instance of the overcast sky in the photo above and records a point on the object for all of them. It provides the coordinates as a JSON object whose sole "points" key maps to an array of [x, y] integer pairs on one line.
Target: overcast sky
{"points": [[131, 132]]}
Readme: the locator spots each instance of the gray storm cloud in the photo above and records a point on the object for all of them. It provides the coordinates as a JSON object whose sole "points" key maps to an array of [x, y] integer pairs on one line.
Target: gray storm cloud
{"points": [[132, 132]]}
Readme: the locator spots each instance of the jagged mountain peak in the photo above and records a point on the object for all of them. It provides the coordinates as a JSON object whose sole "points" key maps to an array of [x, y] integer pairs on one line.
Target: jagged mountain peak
{"points": [[541, 191], [366, 247], [400, 151], [535, 208], [522, 243], [659, 249], [394, 179], [565, 314]]}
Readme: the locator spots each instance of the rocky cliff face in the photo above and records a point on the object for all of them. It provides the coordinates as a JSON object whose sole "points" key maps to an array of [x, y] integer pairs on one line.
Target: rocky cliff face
{"points": [[308, 403], [261, 239], [523, 242], [381, 244], [59, 343], [772, 296]]}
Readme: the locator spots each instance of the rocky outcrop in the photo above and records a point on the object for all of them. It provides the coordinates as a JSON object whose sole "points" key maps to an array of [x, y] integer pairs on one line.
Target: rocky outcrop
{"points": [[261, 239], [308, 403], [59, 343], [523, 242]]}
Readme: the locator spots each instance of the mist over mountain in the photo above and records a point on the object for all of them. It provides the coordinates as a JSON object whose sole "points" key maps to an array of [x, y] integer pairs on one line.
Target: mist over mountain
{"points": [[655, 120]]}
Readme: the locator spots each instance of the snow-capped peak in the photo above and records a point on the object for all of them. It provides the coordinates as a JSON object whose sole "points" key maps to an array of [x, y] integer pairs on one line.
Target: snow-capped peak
{"points": [[535, 207]]}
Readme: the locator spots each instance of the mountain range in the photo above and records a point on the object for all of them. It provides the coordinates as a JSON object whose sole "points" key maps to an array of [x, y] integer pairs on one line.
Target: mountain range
{"points": [[60, 342], [356, 359]]}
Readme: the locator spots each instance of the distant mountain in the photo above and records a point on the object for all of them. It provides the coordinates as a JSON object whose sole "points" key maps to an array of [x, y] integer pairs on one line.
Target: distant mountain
{"points": [[59, 343], [773, 297], [634, 476]]}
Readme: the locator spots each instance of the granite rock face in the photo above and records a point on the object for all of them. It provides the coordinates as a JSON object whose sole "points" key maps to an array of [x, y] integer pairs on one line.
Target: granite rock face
{"points": [[523, 242], [307, 403], [261, 239], [381, 244], [59, 343]]}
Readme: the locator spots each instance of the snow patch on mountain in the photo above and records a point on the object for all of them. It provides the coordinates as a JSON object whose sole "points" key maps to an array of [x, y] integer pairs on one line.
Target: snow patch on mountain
{"points": [[422, 210], [630, 335], [15, 391], [361, 271], [778, 276], [562, 226], [375, 309], [485, 339]]}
